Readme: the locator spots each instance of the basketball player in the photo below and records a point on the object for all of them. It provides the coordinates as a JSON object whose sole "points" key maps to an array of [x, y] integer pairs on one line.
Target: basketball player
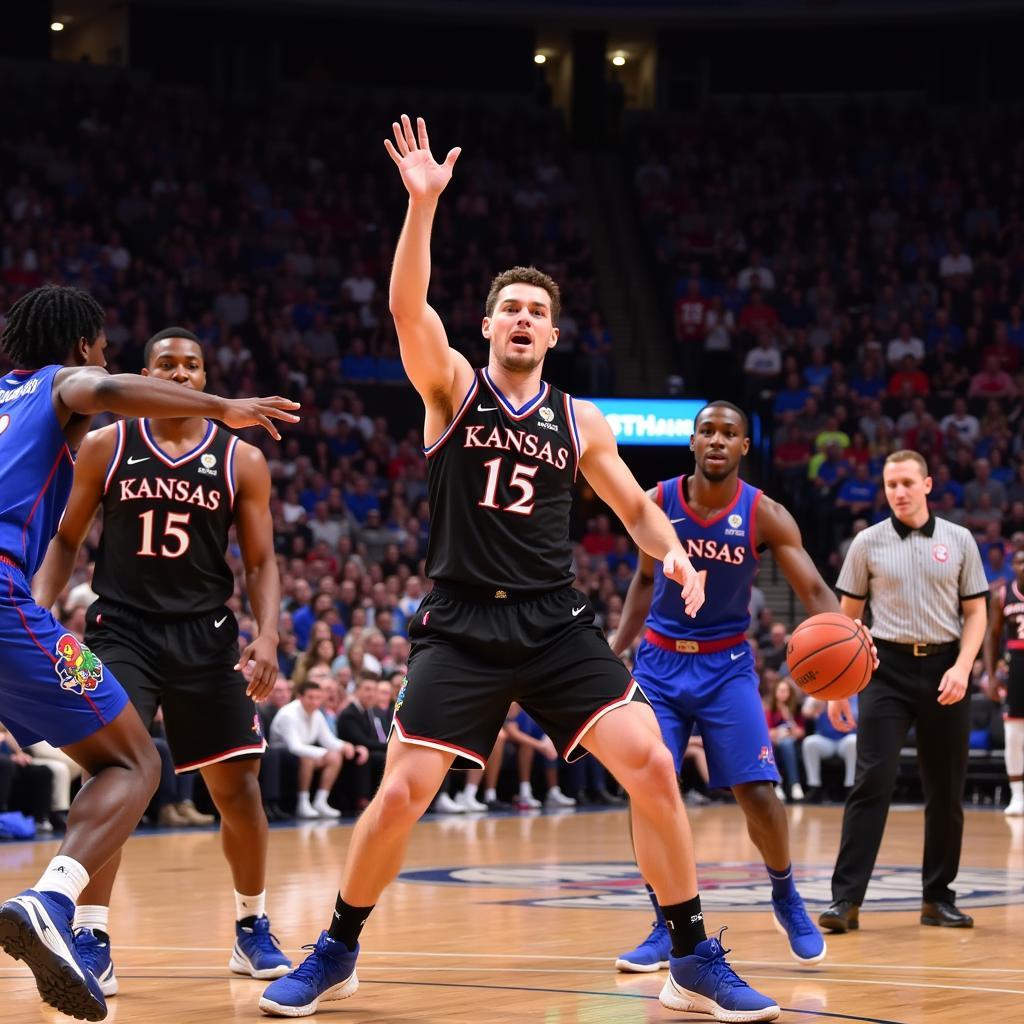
{"points": [[51, 686], [170, 490], [1006, 610], [701, 670], [503, 622]]}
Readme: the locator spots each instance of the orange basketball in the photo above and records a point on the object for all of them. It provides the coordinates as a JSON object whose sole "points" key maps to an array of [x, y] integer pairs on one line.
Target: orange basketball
{"points": [[827, 657]]}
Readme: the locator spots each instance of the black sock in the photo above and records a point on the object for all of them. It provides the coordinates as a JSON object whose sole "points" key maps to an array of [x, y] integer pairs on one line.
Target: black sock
{"points": [[347, 923], [686, 926]]}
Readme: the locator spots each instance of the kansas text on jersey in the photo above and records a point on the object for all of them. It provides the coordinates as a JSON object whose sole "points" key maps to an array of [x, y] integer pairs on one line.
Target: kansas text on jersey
{"points": [[500, 482], [723, 550], [165, 524]]}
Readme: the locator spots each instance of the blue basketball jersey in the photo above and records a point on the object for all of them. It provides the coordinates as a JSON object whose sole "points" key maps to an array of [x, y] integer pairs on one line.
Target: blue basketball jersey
{"points": [[723, 550], [36, 466]]}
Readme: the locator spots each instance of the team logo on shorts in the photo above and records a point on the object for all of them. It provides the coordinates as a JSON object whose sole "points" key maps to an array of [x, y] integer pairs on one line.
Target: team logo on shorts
{"points": [[766, 756], [401, 693], [617, 885], [79, 669], [256, 728], [208, 462], [940, 553]]}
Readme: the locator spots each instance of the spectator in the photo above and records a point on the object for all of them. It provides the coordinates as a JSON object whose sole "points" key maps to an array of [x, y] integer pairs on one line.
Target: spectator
{"points": [[530, 741], [826, 741], [786, 728], [364, 725]]}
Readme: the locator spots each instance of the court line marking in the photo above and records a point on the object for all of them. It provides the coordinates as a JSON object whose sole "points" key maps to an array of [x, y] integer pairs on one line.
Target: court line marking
{"points": [[822, 1014], [958, 968], [822, 978]]}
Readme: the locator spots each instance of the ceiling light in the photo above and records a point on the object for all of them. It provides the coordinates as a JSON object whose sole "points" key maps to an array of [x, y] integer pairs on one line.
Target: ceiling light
{"points": [[619, 60], [56, 26], [540, 58]]}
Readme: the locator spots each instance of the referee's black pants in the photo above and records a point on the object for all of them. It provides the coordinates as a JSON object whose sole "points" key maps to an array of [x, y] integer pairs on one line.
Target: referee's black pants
{"points": [[904, 692]]}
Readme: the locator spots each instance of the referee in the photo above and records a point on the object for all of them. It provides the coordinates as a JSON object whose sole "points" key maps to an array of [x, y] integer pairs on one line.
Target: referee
{"points": [[927, 589]]}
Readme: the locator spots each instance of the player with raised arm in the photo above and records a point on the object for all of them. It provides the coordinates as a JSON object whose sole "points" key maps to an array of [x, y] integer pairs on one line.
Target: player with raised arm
{"points": [[51, 686], [170, 490], [503, 622], [700, 670]]}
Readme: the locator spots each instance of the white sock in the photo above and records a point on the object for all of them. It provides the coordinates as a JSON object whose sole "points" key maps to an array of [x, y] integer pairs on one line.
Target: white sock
{"points": [[250, 906], [525, 789], [304, 799], [1014, 743], [489, 795], [471, 790], [1017, 791], [93, 917], [321, 796], [555, 790], [65, 876]]}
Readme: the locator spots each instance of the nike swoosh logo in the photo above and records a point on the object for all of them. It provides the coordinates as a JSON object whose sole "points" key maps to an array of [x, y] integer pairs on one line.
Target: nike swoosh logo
{"points": [[217, 623], [576, 611], [681, 519], [132, 460], [486, 408], [733, 657]]}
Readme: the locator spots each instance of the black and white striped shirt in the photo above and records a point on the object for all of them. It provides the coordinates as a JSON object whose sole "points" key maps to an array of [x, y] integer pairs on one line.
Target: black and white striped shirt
{"points": [[914, 579]]}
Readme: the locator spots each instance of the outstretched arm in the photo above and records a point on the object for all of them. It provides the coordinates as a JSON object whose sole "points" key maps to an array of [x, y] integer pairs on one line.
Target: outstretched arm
{"points": [[86, 495], [255, 527], [646, 523], [88, 390], [431, 364]]}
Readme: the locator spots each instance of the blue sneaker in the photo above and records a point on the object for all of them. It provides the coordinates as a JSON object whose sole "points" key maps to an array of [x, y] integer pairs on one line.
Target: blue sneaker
{"points": [[329, 972], [96, 956], [36, 927], [651, 955], [705, 983], [805, 941], [257, 953]]}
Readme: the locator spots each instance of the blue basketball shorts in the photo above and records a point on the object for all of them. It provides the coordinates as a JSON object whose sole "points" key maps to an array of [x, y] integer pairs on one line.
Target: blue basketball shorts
{"points": [[717, 693], [52, 687]]}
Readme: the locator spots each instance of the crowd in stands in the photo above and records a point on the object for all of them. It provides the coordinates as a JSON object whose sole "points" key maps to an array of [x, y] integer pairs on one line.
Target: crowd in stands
{"points": [[864, 264], [865, 269]]}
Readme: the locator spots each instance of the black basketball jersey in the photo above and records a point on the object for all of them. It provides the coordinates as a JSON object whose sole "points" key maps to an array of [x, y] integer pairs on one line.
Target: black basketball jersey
{"points": [[500, 482], [166, 523], [1013, 616]]}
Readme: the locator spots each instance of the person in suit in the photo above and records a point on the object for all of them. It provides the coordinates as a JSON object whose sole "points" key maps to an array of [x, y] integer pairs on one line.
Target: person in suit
{"points": [[363, 723]]}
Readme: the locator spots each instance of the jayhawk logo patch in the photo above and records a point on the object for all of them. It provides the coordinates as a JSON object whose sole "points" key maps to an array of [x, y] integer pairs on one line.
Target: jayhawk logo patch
{"points": [[79, 670], [766, 756], [401, 692]]}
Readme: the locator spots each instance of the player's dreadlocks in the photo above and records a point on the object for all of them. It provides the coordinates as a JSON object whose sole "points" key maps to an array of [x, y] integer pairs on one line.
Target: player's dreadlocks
{"points": [[45, 325]]}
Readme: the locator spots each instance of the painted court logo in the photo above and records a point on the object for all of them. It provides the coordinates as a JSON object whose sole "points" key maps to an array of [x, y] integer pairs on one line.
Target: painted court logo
{"points": [[78, 669], [617, 885]]}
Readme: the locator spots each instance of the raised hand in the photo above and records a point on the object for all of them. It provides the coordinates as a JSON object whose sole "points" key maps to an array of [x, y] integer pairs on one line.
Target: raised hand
{"points": [[422, 175], [259, 412]]}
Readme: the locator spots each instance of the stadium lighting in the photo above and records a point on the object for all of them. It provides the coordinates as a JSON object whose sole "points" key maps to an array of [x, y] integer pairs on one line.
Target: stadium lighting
{"points": [[540, 58], [619, 60], [56, 26]]}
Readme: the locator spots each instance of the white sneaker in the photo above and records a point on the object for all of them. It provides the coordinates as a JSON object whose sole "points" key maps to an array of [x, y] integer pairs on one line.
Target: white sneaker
{"points": [[1014, 809], [305, 811], [781, 794], [527, 803], [556, 798], [444, 804], [325, 810], [797, 792], [469, 803]]}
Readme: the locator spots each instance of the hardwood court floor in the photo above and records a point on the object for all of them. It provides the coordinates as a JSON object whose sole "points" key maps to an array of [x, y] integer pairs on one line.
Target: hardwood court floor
{"points": [[519, 919]]}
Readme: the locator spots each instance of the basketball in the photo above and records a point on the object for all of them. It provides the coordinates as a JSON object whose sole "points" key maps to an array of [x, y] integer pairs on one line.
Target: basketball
{"points": [[828, 658]]}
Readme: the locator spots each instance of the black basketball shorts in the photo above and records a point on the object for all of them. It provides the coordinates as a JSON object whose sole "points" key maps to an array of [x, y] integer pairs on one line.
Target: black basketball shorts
{"points": [[1015, 685], [186, 667], [471, 659]]}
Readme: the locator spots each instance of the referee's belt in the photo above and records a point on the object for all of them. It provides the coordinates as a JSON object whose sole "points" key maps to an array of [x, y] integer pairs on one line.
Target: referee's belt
{"points": [[918, 650], [670, 643]]}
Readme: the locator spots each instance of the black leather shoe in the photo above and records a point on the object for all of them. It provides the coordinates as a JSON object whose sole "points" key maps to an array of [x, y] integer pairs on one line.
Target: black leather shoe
{"points": [[944, 915], [841, 916]]}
